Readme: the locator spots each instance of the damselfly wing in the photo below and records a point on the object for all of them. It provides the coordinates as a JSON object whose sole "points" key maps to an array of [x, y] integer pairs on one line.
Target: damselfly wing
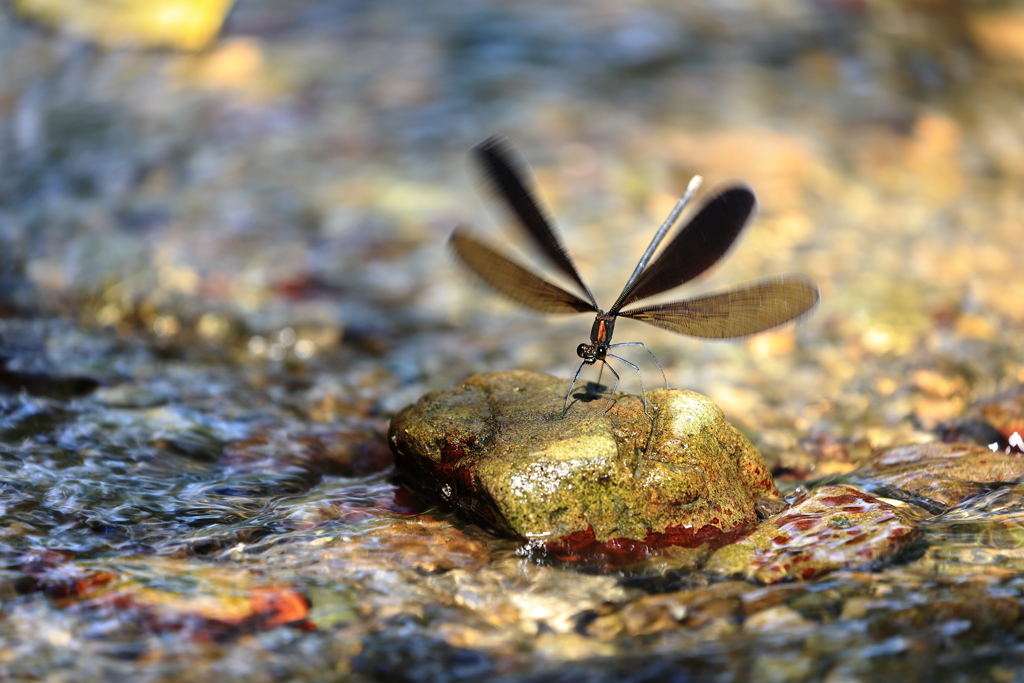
{"points": [[732, 314]]}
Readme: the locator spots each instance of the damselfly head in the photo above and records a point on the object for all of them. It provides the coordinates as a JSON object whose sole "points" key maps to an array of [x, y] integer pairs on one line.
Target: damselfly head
{"points": [[590, 353]]}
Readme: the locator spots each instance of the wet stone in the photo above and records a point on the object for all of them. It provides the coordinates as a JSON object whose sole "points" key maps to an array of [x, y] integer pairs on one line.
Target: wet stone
{"points": [[937, 476], [777, 619], [595, 482], [835, 527], [214, 602], [666, 611]]}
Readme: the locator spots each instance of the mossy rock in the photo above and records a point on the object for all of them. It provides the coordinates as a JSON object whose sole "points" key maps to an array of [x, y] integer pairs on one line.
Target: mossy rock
{"points": [[498, 449]]}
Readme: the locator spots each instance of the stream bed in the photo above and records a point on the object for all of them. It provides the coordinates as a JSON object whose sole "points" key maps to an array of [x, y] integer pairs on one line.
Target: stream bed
{"points": [[223, 272]]}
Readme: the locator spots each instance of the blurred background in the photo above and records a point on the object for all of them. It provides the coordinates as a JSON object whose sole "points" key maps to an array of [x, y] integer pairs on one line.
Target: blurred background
{"points": [[270, 186]]}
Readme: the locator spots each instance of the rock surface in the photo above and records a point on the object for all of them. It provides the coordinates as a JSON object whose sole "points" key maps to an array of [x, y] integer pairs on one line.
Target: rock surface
{"points": [[835, 527], [498, 449], [937, 476]]}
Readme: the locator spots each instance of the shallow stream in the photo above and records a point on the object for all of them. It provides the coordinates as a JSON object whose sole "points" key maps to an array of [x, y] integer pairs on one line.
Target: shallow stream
{"points": [[223, 272]]}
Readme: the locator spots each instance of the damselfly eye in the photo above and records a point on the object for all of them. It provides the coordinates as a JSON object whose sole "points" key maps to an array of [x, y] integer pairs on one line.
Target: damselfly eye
{"points": [[581, 350]]}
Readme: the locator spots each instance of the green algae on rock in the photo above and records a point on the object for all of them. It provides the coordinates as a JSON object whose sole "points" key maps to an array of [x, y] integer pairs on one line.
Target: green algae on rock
{"points": [[596, 481], [835, 527]]}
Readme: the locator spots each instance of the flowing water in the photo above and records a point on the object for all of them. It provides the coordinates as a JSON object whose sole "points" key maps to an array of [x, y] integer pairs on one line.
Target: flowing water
{"points": [[222, 272]]}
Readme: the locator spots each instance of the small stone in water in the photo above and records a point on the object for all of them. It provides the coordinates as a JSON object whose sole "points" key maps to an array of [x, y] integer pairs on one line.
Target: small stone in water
{"points": [[776, 619], [835, 527], [769, 507]]}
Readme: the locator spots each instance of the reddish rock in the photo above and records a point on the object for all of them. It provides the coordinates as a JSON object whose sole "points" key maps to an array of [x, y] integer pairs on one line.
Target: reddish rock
{"points": [[212, 615], [835, 527]]}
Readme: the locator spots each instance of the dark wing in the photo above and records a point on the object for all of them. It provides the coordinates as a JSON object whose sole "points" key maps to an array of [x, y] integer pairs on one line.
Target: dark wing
{"points": [[697, 247], [504, 174], [511, 279], [736, 313]]}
